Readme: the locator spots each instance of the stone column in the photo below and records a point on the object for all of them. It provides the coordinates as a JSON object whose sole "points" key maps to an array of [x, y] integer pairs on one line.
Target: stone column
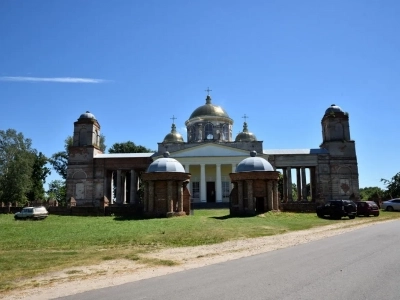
{"points": [[270, 196], [240, 196], [218, 185], [289, 183], [170, 199], [250, 200], [180, 197], [233, 171], [145, 196], [133, 187], [313, 184], [275, 193], [285, 188], [151, 197], [203, 184], [189, 185], [298, 184], [124, 189], [119, 185], [112, 188], [303, 183]]}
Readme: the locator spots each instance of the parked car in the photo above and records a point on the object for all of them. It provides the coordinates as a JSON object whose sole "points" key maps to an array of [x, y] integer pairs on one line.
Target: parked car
{"points": [[367, 208], [337, 209], [391, 205], [34, 213]]}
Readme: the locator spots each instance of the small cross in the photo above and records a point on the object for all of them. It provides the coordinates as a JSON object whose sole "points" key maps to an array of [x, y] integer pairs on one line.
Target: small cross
{"points": [[245, 117], [208, 91], [173, 119]]}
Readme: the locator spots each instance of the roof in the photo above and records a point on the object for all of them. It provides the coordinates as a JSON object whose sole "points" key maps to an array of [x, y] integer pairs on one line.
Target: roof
{"points": [[165, 164], [295, 151], [253, 163], [124, 155], [209, 109]]}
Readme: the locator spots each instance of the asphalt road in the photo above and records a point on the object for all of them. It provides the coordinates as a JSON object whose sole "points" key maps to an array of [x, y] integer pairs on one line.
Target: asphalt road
{"points": [[362, 264]]}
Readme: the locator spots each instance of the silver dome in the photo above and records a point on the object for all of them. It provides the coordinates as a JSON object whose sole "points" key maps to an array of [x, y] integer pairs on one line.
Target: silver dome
{"points": [[333, 108], [165, 164], [87, 115], [254, 163]]}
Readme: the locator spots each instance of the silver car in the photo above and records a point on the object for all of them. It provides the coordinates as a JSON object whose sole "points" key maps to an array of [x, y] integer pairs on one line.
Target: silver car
{"points": [[391, 205], [34, 213]]}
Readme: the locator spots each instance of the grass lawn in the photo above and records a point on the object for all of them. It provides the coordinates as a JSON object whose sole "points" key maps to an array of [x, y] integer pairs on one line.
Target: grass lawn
{"points": [[29, 248]]}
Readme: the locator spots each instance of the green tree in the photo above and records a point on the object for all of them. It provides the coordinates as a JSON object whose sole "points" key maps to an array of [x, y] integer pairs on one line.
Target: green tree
{"points": [[16, 166], [57, 191], [372, 192], [392, 186], [38, 177], [128, 147]]}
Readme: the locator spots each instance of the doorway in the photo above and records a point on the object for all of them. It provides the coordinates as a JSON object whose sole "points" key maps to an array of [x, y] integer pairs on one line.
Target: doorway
{"points": [[260, 205], [210, 191]]}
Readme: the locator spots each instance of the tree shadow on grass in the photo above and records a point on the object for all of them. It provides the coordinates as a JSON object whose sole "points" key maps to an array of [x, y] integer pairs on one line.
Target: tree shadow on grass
{"points": [[233, 217]]}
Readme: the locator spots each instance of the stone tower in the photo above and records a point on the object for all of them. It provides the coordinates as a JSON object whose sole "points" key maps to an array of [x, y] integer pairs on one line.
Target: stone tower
{"points": [[81, 182], [338, 173]]}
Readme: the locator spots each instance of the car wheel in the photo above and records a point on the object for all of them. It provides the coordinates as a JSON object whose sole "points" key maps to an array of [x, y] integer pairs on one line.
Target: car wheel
{"points": [[352, 217], [389, 208], [377, 215]]}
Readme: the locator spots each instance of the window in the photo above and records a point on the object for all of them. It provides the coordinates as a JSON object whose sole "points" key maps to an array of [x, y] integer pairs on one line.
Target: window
{"points": [[196, 189], [191, 133], [226, 189], [208, 130], [225, 132]]}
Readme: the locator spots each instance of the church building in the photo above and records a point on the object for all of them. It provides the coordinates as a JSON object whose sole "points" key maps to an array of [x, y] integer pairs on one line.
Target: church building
{"points": [[210, 154]]}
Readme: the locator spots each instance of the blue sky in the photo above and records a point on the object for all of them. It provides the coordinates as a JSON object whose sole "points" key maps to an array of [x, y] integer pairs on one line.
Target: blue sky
{"points": [[135, 64]]}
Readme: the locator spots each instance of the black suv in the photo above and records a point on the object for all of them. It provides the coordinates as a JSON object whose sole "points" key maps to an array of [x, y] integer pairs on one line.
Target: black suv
{"points": [[337, 209]]}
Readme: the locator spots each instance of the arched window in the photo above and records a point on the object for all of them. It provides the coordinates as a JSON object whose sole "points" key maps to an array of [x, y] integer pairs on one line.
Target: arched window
{"points": [[208, 130], [191, 134], [338, 133], [82, 137], [97, 137], [225, 132]]}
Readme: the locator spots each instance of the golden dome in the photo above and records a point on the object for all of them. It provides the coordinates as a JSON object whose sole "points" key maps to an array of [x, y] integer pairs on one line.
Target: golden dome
{"points": [[245, 135], [173, 136], [209, 109]]}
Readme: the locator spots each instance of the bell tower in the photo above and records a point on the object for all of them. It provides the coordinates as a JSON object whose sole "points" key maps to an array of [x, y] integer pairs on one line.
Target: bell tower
{"points": [[82, 183], [86, 131], [338, 171]]}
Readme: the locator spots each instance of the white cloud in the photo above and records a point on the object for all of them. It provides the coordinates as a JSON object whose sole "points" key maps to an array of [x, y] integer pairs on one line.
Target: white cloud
{"points": [[52, 79]]}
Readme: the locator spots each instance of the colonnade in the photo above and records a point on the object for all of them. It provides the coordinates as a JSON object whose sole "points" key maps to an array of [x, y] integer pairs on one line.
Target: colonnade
{"points": [[301, 183], [122, 186]]}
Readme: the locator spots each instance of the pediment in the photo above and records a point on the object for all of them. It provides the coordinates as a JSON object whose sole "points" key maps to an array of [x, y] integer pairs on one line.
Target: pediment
{"points": [[209, 150]]}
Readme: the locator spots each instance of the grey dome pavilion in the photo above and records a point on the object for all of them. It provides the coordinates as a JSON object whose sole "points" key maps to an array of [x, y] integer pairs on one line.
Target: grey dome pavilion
{"points": [[255, 188]]}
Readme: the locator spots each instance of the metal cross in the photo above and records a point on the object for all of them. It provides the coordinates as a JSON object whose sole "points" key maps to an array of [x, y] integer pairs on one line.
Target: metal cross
{"points": [[208, 91], [245, 117], [173, 119]]}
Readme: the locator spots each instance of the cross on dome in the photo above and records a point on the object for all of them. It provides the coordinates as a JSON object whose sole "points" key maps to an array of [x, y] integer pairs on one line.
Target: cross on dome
{"points": [[173, 119], [208, 91], [245, 117]]}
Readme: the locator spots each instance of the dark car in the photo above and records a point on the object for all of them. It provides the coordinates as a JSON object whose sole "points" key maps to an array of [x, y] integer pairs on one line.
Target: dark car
{"points": [[336, 209], [367, 208]]}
